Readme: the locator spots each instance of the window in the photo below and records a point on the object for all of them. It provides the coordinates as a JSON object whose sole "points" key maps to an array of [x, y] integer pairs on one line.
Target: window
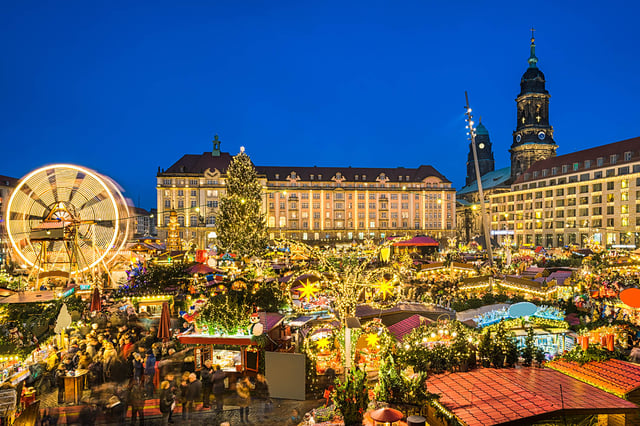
{"points": [[193, 203], [167, 203], [559, 192], [181, 204], [587, 164], [576, 166], [613, 159], [565, 168], [597, 187], [610, 186], [627, 156], [600, 161], [180, 193]]}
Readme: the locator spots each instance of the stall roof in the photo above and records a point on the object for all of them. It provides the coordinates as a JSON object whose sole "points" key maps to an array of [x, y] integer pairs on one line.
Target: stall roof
{"points": [[490, 396], [422, 241], [405, 326], [613, 375], [30, 297]]}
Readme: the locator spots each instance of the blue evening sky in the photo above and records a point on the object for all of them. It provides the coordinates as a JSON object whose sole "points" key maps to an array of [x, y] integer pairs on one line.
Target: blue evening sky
{"points": [[123, 87]]}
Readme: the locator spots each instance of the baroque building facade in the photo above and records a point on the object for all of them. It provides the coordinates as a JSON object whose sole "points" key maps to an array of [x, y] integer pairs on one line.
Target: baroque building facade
{"points": [[314, 204]]}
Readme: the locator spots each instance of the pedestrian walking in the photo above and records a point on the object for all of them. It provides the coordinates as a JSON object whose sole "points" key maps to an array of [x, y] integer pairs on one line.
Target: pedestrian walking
{"points": [[149, 373], [243, 389], [261, 393], [184, 386], [173, 388], [194, 389], [207, 383], [137, 401], [167, 400], [218, 388]]}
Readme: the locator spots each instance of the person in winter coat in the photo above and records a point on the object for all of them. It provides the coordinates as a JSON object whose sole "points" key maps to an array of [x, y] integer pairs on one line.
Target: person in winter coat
{"points": [[184, 387], [207, 383], [243, 389], [61, 372], [138, 367], [149, 372], [167, 400], [193, 393], [218, 388], [261, 393], [137, 401]]}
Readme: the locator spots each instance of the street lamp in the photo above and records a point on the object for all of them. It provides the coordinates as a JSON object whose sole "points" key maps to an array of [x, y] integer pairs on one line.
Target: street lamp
{"points": [[483, 212]]}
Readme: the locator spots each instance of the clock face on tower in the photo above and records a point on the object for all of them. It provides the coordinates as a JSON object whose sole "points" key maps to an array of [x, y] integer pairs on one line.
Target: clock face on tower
{"points": [[481, 146], [518, 138], [541, 136]]}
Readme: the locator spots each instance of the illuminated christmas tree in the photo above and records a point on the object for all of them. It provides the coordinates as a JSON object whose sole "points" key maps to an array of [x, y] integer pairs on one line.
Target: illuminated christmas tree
{"points": [[240, 223]]}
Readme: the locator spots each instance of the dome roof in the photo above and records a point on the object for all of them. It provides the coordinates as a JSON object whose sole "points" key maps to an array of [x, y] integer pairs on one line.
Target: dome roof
{"points": [[481, 130], [532, 81]]}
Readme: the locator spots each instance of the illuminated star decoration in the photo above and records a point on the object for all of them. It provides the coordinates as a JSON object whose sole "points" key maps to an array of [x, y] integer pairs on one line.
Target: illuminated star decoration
{"points": [[323, 344], [385, 287], [372, 339], [308, 290]]}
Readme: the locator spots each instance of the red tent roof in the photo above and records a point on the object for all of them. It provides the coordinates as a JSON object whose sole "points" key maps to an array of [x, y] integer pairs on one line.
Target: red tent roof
{"points": [[417, 241], [490, 396]]}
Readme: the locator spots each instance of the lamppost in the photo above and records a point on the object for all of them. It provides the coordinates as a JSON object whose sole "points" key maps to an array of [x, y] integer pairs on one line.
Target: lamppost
{"points": [[483, 212]]}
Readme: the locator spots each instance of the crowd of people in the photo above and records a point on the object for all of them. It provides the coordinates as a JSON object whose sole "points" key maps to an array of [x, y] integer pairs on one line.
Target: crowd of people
{"points": [[127, 366]]}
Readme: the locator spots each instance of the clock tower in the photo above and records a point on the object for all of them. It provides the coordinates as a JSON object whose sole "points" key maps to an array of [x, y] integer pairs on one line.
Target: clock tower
{"points": [[533, 137], [486, 163]]}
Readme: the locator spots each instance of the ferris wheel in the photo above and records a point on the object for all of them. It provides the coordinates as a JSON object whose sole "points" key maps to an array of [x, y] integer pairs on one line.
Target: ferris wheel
{"points": [[65, 220]]}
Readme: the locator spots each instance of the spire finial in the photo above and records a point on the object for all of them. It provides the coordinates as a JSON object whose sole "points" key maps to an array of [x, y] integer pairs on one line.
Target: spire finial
{"points": [[532, 57]]}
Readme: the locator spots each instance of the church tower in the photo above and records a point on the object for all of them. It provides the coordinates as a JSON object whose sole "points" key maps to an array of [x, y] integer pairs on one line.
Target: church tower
{"points": [[533, 137], [486, 163]]}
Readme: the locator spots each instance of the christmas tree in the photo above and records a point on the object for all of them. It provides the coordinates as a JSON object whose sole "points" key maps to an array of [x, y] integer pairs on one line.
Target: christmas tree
{"points": [[240, 223]]}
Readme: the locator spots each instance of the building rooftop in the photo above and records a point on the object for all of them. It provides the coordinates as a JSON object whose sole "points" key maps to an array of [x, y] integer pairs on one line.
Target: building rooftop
{"points": [[197, 164], [494, 179], [605, 152], [613, 376]]}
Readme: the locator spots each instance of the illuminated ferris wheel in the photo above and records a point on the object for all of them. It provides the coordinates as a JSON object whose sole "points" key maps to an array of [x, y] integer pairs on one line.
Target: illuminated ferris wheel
{"points": [[67, 221]]}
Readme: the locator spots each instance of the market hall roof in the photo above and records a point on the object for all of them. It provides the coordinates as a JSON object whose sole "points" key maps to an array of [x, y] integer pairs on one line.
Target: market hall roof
{"points": [[489, 396], [495, 179]]}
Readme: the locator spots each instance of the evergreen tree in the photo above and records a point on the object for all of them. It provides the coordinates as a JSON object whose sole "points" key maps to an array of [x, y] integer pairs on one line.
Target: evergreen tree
{"points": [[529, 349], [240, 223]]}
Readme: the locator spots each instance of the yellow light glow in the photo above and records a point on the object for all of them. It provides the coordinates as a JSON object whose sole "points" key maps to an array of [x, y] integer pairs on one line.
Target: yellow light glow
{"points": [[323, 344], [308, 290], [384, 288], [372, 339]]}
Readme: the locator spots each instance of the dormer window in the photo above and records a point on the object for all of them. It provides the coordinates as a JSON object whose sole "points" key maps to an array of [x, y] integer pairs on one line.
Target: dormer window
{"points": [[627, 156], [277, 176], [614, 159], [587, 164], [600, 161], [355, 177], [364, 177], [565, 168], [545, 172], [400, 178], [310, 177], [319, 177], [406, 178]]}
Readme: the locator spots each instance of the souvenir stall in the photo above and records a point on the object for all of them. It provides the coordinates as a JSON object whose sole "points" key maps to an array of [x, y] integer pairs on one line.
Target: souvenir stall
{"points": [[607, 336], [551, 333], [372, 342], [152, 305], [322, 345]]}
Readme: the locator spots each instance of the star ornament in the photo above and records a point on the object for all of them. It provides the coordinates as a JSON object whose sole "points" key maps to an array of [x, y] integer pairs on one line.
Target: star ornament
{"points": [[323, 344], [385, 288], [372, 339], [308, 290]]}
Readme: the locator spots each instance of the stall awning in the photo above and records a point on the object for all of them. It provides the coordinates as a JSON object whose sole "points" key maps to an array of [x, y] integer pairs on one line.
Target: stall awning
{"points": [[203, 339]]}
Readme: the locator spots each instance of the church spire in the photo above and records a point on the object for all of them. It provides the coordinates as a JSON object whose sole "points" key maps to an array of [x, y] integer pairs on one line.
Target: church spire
{"points": [[533, 61]]}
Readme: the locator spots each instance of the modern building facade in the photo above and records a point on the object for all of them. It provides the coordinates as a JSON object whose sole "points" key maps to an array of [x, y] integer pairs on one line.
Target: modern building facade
{"points": [[325, 205], [579, 198]]}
